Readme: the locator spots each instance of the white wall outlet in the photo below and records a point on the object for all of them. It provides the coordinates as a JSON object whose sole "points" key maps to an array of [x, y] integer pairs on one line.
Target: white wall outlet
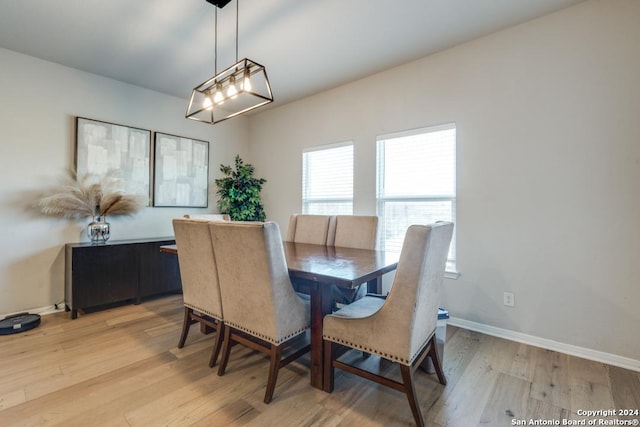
{"points": [[509, 299]]}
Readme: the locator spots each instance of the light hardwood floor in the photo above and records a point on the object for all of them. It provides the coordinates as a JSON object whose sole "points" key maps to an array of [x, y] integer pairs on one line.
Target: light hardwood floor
{"points": [[122, 367]]}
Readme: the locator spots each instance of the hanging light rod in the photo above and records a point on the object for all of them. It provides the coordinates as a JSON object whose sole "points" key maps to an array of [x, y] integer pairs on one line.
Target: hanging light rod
{"points": [[242, 87]]}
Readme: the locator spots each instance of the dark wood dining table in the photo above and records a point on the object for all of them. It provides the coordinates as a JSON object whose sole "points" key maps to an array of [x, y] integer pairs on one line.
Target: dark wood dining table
{"points": [[316, 268]]}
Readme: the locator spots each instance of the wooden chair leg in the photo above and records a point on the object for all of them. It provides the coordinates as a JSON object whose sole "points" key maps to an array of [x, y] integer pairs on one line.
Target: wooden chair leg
{"points": [[226, 349], [275, 355], [329, 370], [407, 379], [186, 324], [218, 344], [435, 359]]}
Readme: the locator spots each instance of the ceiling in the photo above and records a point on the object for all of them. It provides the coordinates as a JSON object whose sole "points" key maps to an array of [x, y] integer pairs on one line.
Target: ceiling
{"points": [[307, 46]]}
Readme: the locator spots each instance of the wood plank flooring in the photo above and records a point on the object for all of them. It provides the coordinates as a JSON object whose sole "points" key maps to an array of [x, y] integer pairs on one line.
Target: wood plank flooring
{"points": [[122, 367]]}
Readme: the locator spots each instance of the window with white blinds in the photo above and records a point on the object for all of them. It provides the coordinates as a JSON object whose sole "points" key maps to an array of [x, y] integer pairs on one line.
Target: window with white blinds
{"points": [[416, 182], [327, 180]]}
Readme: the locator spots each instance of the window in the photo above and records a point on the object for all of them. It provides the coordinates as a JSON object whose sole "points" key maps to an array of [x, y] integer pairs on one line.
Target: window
{"points": [[416, 182], [327, 180]]}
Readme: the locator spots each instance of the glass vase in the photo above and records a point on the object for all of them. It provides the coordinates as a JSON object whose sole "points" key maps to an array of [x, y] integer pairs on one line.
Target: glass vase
{"points": [[98, 230]]}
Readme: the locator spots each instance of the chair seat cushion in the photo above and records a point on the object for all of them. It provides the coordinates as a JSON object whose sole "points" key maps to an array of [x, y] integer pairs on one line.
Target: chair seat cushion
{"points": [[363, 307]]}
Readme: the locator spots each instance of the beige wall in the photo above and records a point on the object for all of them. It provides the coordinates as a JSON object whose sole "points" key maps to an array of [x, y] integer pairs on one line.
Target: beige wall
{"points": [[38, 103], [548, 125]]}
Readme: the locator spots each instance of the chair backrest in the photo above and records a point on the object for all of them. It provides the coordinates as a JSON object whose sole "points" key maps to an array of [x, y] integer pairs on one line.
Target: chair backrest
{"points": [[410, 312], [308, 229], [256, 291], [200, 287], [209, 217], [353, 231]]}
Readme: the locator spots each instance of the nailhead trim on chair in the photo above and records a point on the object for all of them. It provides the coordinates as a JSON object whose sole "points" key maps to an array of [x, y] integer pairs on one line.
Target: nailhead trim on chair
{"points": [[379, 353], [208, 313], [264, 337]]}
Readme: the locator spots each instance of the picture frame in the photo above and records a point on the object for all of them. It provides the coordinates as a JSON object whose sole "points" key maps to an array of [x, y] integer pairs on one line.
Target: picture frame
{"points": [[102, 147], [181, 171]]}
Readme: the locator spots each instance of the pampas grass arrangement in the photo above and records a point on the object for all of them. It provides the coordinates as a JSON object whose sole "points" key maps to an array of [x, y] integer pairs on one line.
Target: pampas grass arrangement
{"points": [[90, 196]]}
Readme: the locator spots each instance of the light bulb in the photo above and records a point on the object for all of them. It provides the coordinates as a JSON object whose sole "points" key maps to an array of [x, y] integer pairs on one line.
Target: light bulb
{"points": [[232, 91], [246, 83], [218, 98], [207, 104]]}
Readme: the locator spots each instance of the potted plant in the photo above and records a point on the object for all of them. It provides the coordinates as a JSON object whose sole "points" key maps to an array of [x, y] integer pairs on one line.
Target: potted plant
{"points": [[239, 192], [90, 196]]}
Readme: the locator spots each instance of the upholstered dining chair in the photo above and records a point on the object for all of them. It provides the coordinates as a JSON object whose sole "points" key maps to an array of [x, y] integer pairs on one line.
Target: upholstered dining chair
{"points": [[261, 309], [305, 228], [200, 287], [209, 217], [351, 231], [400, 328]]}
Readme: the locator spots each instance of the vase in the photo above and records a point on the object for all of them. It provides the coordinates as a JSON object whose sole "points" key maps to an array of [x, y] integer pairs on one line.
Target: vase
{"points": [[98, 230]]}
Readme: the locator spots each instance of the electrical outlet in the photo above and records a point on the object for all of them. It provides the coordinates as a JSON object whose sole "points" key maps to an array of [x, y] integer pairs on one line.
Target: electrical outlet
{"points": [[509, 299]]}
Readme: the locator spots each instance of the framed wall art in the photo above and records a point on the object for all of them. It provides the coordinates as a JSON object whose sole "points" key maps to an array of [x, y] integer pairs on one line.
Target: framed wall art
{"points": [[181, 171], [103, 147]]}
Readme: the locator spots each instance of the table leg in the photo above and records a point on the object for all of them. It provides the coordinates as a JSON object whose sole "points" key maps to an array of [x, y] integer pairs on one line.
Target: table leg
{"points": [[374, 286], [320, 306]]}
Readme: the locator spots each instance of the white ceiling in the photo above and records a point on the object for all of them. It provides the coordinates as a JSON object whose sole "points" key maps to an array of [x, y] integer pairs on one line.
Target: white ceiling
{"points": [[307, 46]]}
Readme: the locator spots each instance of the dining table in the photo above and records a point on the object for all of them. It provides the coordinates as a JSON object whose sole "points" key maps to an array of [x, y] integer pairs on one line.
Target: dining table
{"points": [[315, 268]]}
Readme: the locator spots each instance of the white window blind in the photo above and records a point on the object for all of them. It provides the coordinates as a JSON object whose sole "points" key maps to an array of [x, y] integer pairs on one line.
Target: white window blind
{"points": [[416, 182], [327, 180]]}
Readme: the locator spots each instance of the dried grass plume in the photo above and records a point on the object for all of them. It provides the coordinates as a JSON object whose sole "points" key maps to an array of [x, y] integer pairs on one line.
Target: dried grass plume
{"points": [[90, 196]]}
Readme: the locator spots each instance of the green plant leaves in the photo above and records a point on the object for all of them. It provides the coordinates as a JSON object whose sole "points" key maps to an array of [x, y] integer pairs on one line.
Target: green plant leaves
{"points": [[239, 192]]}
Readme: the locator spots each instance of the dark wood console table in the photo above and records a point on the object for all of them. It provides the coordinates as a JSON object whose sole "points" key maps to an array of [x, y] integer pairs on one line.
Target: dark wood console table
{"points": [[118, 271]]}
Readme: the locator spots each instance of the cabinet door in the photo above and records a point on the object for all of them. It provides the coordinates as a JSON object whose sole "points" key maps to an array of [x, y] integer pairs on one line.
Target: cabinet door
{"points": [[159, 271], [104, 274]]}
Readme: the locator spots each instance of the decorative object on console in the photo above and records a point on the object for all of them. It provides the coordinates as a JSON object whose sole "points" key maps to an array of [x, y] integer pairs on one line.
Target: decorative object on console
{"points": [[99, 230], [91, 197], [239, 193], [238, 89]]}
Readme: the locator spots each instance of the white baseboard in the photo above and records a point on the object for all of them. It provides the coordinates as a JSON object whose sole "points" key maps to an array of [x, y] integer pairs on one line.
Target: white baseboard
{"points": [[585, 353], [49, 309]]}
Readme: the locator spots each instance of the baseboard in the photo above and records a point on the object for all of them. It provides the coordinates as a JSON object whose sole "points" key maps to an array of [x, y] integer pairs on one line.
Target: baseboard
{"points": [[585, 353], [49, 309]]}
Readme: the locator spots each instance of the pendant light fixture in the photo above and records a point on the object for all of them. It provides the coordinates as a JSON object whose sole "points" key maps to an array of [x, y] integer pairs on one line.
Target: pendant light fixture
{"points": [[240, 88]]}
